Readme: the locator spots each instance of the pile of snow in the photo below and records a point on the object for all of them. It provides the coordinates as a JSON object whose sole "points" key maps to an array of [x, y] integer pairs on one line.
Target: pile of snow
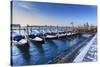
{"points": [[62, 35], [68, 33], [22, 41], [37, 39], [14, 41], [50, 36], [72, 33]]}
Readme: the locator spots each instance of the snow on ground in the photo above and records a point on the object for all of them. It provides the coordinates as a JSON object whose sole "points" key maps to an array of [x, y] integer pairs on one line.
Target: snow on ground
{"points": [[89, 52]]}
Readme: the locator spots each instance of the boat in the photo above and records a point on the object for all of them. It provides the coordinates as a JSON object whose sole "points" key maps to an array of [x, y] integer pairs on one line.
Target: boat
{"points": [[51, 36], [61, 34], [69, 34], [35, 38], [20, 41]]}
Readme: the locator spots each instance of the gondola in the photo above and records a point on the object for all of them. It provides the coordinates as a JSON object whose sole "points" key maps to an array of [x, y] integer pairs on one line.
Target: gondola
{"points": [[20, 41], [36, 38], [51, 36], [62, 35]]}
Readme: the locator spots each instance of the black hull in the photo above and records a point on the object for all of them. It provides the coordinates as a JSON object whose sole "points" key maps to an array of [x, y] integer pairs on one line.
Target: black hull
{"points": [[37, 42], [26, 45], [47, 38], [60, 37]]}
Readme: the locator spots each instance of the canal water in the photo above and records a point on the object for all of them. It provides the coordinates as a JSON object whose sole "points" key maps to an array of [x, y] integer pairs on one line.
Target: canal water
{"points": [[42, 53]]}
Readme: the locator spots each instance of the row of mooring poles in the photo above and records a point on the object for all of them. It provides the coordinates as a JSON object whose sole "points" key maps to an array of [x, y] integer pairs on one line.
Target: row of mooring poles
{"points": [[43, 28], [16, 27], [50, 28]]}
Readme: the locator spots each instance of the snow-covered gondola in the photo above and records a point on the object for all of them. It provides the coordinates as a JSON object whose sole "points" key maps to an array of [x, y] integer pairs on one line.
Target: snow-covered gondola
{"points": [[51, 36], [61, 34], [35, 39], [20, 41], [35, 36]]}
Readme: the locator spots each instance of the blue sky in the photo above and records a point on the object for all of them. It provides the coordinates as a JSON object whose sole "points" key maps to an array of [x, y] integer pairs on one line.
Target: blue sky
{"points": [[36, 13]]}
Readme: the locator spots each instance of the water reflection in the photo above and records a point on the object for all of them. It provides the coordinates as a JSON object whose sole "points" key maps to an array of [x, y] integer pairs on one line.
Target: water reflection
{"points": [[50, 49], [24, 50], [41, 53]]}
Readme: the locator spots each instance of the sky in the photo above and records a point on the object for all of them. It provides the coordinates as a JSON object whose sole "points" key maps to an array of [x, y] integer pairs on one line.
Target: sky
{"points": [[37, 13]]}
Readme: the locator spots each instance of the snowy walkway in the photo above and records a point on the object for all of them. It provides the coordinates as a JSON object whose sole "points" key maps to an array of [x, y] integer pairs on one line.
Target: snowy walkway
{"points": [[89, 52]]}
